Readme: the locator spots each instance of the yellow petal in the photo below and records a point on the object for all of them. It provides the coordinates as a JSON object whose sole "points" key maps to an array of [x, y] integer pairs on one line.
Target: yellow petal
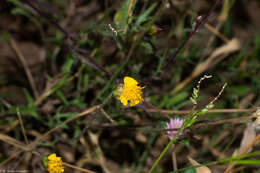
{"points": [[134, 102], [52, 157], [123, 100], [128, 81]]}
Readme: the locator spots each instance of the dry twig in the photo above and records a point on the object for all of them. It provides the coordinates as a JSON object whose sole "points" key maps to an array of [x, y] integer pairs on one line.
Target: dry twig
{"points": [[209, 111], [25, 66], [22, 126], [34, 143], [243, 152], [218, 55]]}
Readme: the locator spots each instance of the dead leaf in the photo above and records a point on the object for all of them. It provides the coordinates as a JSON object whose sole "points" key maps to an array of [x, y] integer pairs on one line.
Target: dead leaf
{"points": [[248, 137], [218, 55], [202, 169], [257, 121], [246, 101], [141, 138], [93, 138]]}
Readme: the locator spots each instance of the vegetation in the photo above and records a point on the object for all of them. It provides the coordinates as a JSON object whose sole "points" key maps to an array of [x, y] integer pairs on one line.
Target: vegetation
{"points": [[129, 86]]}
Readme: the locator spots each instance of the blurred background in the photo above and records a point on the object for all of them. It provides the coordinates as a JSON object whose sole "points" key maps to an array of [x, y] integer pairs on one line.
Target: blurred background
{"points": [[61, 58]]}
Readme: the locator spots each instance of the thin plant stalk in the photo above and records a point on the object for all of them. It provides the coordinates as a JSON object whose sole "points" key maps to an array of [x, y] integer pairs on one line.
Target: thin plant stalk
{"points": [[165, 150], [184, 125], [170, 59]]}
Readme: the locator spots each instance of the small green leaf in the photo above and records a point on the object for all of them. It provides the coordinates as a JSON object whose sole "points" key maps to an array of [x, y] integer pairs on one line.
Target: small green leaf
{"points": [[62, 97], [77, 132], [85, 80], [177, 99], [195, 93], [28, 98], [66, 68], [121, 17], [186, 142], [193, 101], [202, 111], [210, 106], [248, 162], [190, 170], [45, 161], [144, 17]]}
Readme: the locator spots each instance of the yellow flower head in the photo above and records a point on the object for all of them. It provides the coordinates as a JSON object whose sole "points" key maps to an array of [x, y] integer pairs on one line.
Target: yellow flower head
{"points": [[54, 164], [131, 92]]}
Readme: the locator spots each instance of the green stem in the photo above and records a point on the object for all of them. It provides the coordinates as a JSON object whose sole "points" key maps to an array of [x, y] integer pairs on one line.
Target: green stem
{"points": [[189, 118], [223, 161], [165, 150]]}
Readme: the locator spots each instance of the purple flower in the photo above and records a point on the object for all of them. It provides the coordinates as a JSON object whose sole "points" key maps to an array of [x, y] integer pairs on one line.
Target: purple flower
{"points": [[174, 124]]}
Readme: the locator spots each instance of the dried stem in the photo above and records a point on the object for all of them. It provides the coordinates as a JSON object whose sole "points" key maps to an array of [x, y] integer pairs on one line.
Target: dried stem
{"points": [[243, 153], [77, 168], [19, 145], [194, 30], [216, 32], [209, 111], [143, 125], [25, 66], [38, 139], [201, 79], [22, 126], [219, 94]]}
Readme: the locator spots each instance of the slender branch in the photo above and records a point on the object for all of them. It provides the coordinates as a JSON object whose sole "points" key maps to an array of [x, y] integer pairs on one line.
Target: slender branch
{"points": [[22, 126], [40, 138], [217, 33], [49, 19], [20, 145], [68, 37], [218, 122], [144, 125], [202, 21], [25, 66], [209, 111], [243, 153], [77, 168], [194, 30]]}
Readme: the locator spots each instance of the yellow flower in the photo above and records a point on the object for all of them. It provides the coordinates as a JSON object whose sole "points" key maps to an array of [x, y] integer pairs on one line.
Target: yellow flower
{"points": [[54, 164], [131, 92]]}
